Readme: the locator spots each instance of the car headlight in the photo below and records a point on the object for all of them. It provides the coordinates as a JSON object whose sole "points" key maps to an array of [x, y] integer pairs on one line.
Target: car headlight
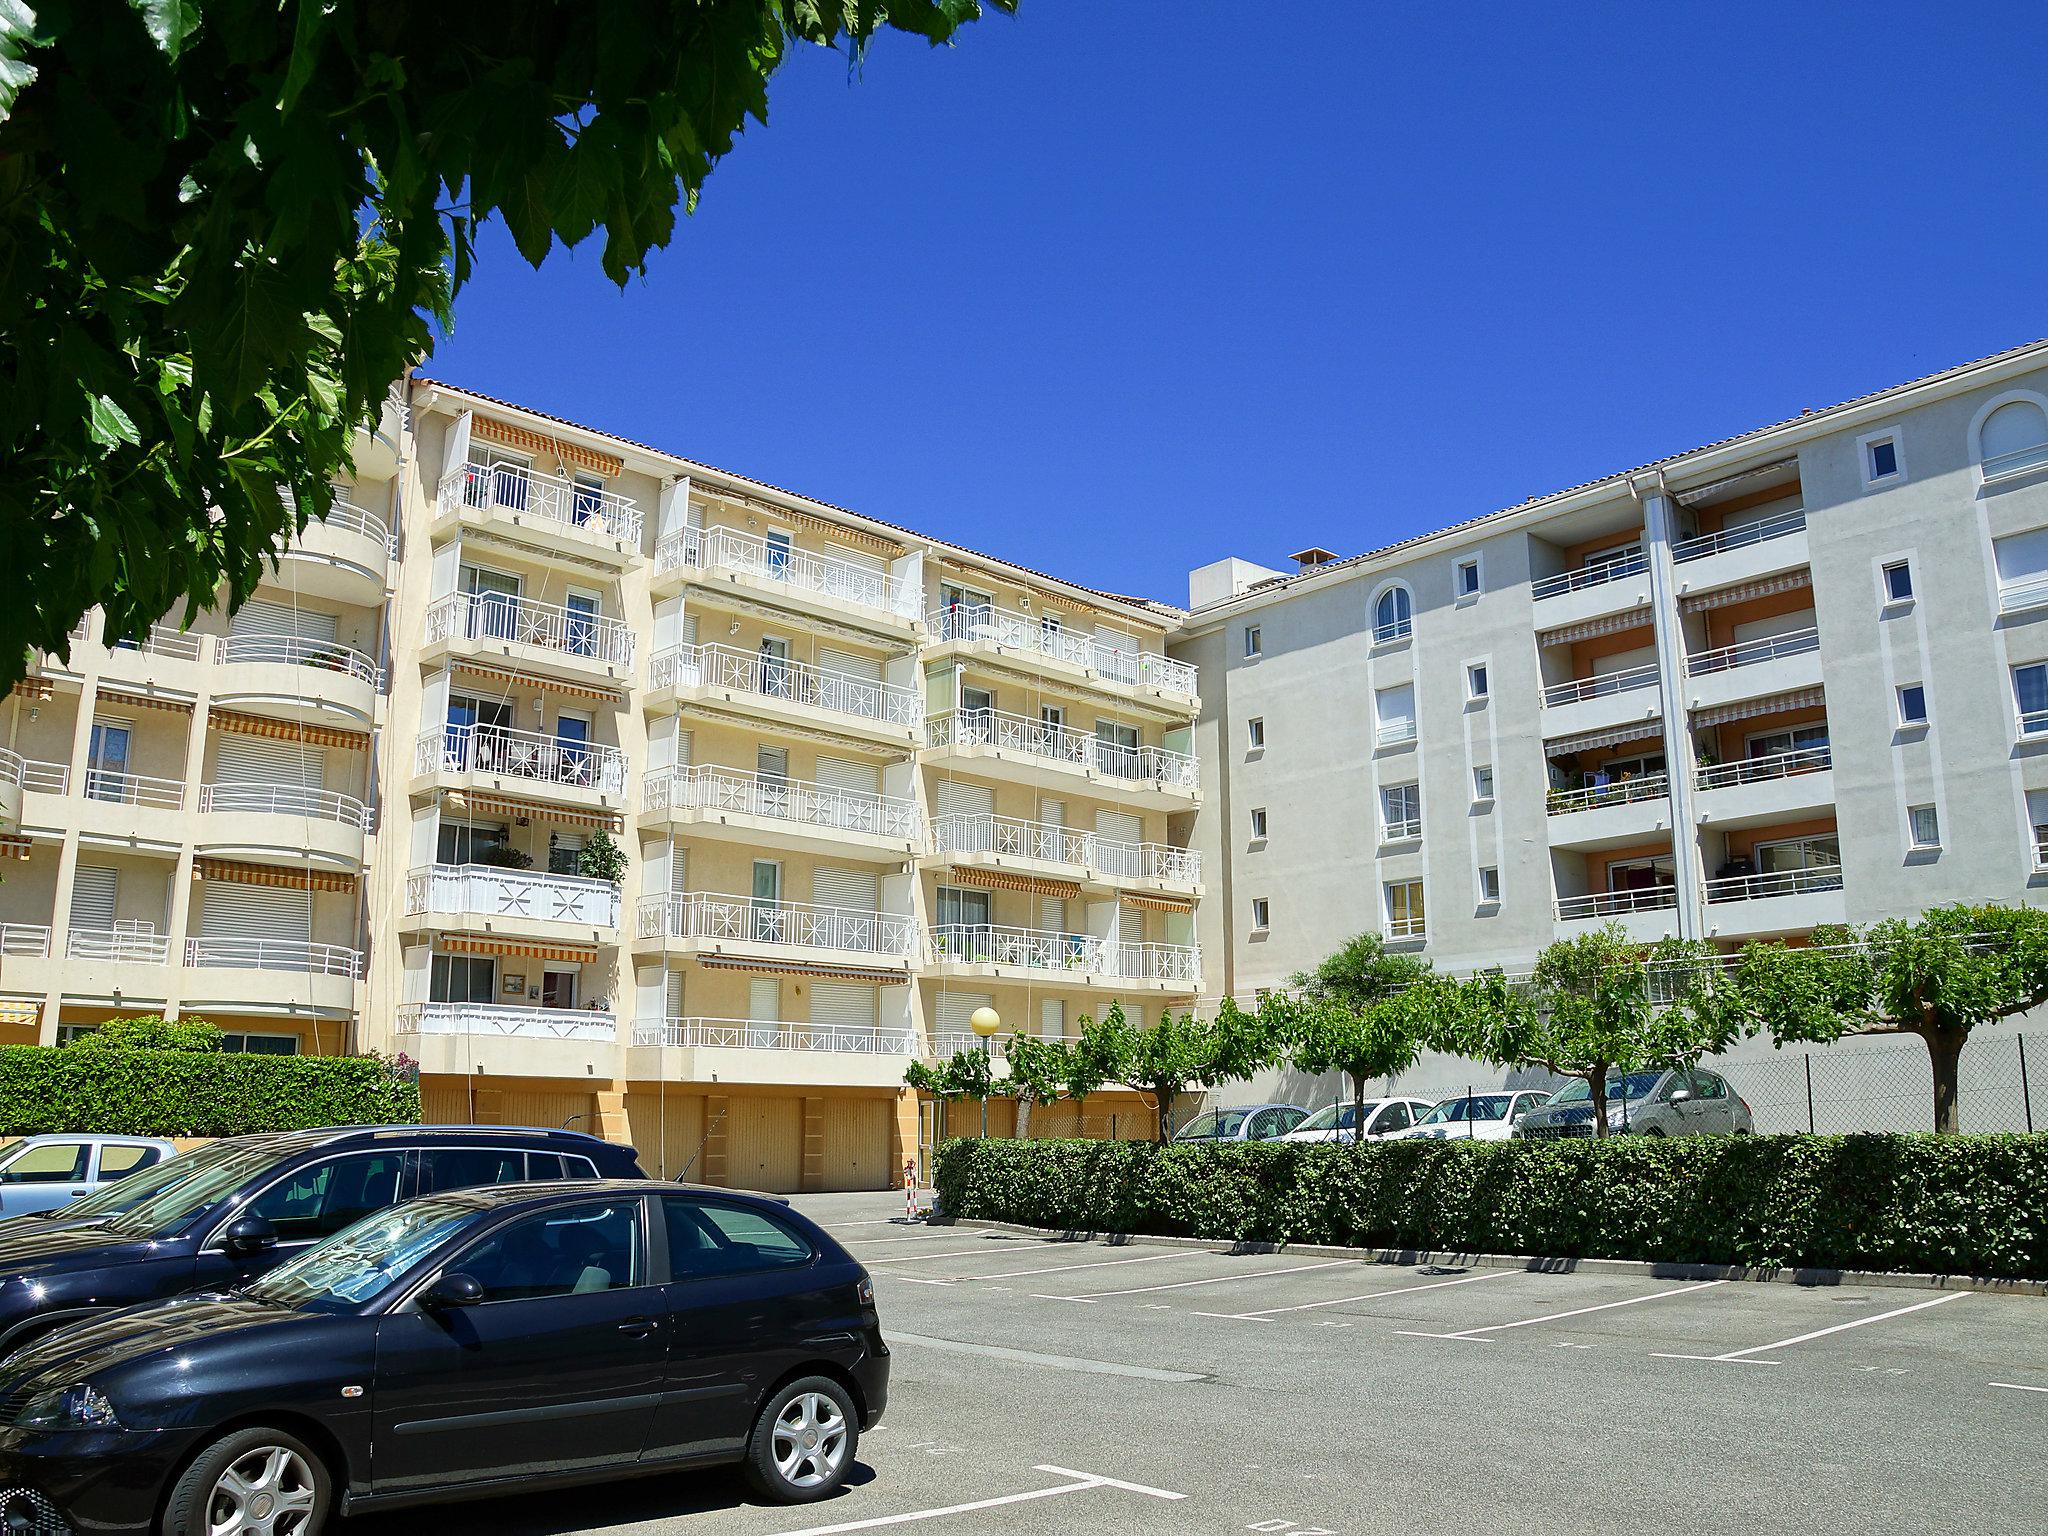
{"points": [[78, 1406]]}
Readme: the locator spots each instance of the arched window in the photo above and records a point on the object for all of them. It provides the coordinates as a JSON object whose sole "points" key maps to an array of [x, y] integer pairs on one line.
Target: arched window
{"points": [[2013, 439], [1392, 615]]}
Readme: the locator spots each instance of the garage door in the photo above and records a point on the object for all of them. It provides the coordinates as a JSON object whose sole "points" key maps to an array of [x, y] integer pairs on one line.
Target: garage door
{"points": [[857, 1144], [1053, 1121], [764, 1144], [668, 1132]]}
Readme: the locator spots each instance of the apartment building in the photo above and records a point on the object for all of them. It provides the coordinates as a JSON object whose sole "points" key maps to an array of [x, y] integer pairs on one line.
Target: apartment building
{"points": [[865, 782], [1796, 677]]}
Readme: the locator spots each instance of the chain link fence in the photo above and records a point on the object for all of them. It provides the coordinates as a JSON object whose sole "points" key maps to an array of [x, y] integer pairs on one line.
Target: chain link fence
{"points": [[1890, 1087]]}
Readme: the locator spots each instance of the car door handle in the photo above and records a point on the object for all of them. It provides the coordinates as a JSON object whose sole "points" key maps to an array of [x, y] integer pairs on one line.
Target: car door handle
{"points": [[639, 1327]]}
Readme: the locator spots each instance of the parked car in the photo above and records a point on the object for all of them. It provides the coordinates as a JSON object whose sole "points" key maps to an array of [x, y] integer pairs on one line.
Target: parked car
{"points": [[462, 1344], [111, 1199], [1337, 1122], [1474, 1116], [38, 1173], [1247, 1122], [1680, 1101], [249, 1203]]}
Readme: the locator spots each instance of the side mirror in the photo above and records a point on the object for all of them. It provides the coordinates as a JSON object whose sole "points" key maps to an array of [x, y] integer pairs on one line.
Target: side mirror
{"points": [[453, 1291], [1681, 1095], [248, 1235]]}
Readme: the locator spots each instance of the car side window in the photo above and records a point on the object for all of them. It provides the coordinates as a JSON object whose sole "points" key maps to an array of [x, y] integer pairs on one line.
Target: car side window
{"points": [[1290, 1118], [1708, 1086], [574, 1167], [1265, 1123], [119, 1159], [1393, 1118], [567, 1252], [467, 1167], [321, 1198], [54, 1162], [706, 1238]]}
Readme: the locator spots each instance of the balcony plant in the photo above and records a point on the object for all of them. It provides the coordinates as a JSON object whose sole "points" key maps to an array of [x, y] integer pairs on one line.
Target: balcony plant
{"points": [[501, 856]]}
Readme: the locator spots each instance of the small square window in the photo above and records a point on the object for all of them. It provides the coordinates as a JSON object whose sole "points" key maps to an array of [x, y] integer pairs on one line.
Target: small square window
{"points": [[1482, 783], [1884, 458], [1489, 883], [1254, 645], [1259, 823], [1926, 826], [1898, 582], [1468, 578], [1255, 733], [1912, 705], [1262, 912], [1475, 680]]}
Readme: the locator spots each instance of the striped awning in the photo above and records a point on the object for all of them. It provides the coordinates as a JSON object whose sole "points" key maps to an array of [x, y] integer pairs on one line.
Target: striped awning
{"points": [[1004, 880], [285, 730], [1157, 903], [34, 688], [509, 677], [530, 441], [1641, 730], [1791, 581], [12, 847], [844, 532], [234, 872], [1749, 709], [799, 968], [128, 700], [19, 1011], [505, 805], [1609, 624], [519, 949]]}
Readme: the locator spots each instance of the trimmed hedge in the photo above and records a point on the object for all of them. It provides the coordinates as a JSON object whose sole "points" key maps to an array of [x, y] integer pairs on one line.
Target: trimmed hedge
{"points": [[195, 1093], [1974, 1205]]}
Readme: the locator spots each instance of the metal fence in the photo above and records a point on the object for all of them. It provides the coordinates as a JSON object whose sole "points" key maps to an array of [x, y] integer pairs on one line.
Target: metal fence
{"points": [[1890, 1087]]}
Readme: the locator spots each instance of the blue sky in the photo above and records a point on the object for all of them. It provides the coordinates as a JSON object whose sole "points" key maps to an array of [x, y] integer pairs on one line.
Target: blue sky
{"points": [[1114, 289]]}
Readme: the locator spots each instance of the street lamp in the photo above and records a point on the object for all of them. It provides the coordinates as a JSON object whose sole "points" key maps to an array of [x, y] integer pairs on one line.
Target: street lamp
{"points": [[985, 1022]]}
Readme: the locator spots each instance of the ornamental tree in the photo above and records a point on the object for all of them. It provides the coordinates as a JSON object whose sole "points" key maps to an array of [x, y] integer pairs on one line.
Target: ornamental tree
{"points": [[1353, 1013], [965, 1075], [1045, 1071], [1164, 1060]]}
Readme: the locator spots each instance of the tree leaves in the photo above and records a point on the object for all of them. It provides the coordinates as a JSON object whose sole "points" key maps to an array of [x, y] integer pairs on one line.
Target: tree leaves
{"points": [[108, 423], [171, 23]]}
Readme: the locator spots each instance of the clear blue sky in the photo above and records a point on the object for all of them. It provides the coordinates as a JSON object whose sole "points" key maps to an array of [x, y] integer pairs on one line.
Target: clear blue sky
{"points": [[1113, 289]]}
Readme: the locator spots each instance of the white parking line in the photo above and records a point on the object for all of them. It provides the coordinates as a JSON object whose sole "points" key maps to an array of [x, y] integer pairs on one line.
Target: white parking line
{"points": [[1082, 1482], [2014, 1386], [1054, 1269], [1266, 1314], [1181, 1285], [921, 1237], [1742, 1356], [1472, 1335], [919, 1258]]}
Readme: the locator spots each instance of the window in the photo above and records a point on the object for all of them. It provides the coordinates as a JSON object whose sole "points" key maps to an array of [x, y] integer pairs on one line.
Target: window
{"points": [[248, 1043], [2030, 692], [1489, 884], [2037, 818], [117, 1159], [321, 1198], [1254, 645], [1259, 823], [1926, 826], [1475, 680], [1255, 733], [559, 1253], [1482, 783], [1898, 582], [2022, 570], [55, 1162], [1404, 909], [1467, 584], [1392, 615], [462, 979], [1400, 812], [2013, 439], [1913, 704], [705, 1238], [1392, 1117], [1394, 715], [1262, 912], [1881, 460], [468, 1167]]}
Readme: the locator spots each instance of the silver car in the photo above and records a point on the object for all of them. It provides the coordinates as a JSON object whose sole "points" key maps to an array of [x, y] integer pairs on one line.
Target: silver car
{"points": [[1246, 1122], [1678, 1101], [40, 1173]]}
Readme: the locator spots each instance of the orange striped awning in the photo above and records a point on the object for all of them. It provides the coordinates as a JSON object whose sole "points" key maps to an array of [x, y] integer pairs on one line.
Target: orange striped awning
{"points": [[233, 872], [530, 441], [286, 730], [509, 677], [798, 968], [504, 805], [19, 1011], [34, 688], [1157, 903], [128, 700], [521, 949], [1004, 880], [846, 533]]}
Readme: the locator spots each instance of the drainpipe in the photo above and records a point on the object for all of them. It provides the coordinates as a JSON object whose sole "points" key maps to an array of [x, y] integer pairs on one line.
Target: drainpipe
{"points": [[378, 732], [1660, 518]]}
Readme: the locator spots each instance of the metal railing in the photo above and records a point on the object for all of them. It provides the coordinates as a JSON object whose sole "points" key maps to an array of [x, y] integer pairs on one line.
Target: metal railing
{"points": [[166, 640], [797, 682], [286, 800], [1600, 685], [521, 755], [1588, 576], [944, 1045], [1407, 928], [514, 1023], [1392, 733], [13, 767], [740, 919], [1648, 898], [1398, 629], [522, 621], [273, 955], [1404, 831], [45, 778], [25, 941], [350, 518], [1041, 949], [1013, 837], [846, 581], [709, 787], [2018, 462], [1741, 536], [136, 943], [2033, 722], [987, 623], [1179, 963], [297, 651], [1645, 786], [489, 890], [585, 510], [1039, 738], [2017, 595], [1758, 770], [770, 1035], [134, 789], [1782, 882], [1746, 653]]}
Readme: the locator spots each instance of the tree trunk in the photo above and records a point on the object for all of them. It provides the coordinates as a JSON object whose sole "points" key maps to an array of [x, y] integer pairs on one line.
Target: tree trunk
{"points": [[1945, 1054], [1023, 1132], [1357, 1113], [1598, 1083], [1165, 1098]]}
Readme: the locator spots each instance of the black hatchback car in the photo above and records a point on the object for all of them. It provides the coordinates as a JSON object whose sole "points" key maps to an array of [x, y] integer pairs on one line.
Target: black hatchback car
{"points": [[462, 1344], [236, 1208]]}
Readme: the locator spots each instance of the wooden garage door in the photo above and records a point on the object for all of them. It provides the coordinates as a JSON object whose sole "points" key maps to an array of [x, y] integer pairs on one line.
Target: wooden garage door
{"points": [[668, 1132], [764, 1146], [857, 1144]]}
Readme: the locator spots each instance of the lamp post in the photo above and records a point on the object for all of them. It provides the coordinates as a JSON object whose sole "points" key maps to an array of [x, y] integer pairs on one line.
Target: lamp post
{"points": [[985, 1022]]}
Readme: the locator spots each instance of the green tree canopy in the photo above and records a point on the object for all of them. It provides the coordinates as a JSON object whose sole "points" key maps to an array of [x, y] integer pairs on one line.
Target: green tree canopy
{"points": [[1166, 1059], [1364, 1011], [226, 225]]}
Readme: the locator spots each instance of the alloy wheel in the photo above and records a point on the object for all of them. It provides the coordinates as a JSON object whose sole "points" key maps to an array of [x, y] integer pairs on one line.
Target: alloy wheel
{"points": [[269, 1491], [809, 1440]]}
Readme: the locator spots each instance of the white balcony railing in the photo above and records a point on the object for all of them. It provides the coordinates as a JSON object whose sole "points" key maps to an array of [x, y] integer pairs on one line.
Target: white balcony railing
{"points": [[286, 800], [514, 1023], [1407, 928], [527, 755], [709, 787], [1644, 786], [13, 767], [350, 518], [1600, 685], [1782, 882], [945, 1045], [1393, 733], [1747, 653], [743, 920], [486, 890], [1392, 630], [1647, 898], [1588, 576], [2016, 596], [297, 651], [1040, 949], [522, 621], [273, 955], [2018, 462], [989, 624], [1078, 848], [2033, 722], [1759, 770], [134, 789], [166, 640], [1406, 830], [586, 510], [25, 941], [1038, 738], [1740, 536], [135, 943], [797, 682], [45, 778], [1180, 963], [769, 1035], [845, 581]]}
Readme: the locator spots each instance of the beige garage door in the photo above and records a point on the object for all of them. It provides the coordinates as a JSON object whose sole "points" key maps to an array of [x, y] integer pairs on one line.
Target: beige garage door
{"points": [[668, 1132], [857, 1144], [764, 1147]]}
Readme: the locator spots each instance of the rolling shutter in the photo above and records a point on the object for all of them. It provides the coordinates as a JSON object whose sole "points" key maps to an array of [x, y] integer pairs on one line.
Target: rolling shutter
{"points": [[764, 999], [257, 760], [672, 989], [867, 668], [265, 912], [1120, 826], [956, 1008], [958, 797], [93, 892], [1053, 812], [844, 1005], [1052, 1018], [257, 617], [855, 778], [858, 890], [1130, 925], [1052, 914]]}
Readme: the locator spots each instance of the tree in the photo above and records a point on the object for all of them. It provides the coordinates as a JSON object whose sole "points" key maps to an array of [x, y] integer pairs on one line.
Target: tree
{"points": [[1162, 1061], [1351, 1014], [226, 225], [966, 1075], [1044, 1071], [1938, 977]]}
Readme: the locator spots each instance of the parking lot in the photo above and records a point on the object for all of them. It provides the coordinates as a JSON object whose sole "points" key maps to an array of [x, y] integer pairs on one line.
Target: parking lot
{"points": [[1048, 1386]]}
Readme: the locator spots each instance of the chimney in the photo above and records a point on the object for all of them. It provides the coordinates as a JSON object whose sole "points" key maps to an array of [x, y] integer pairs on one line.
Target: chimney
{"points": [[1309, 559]]}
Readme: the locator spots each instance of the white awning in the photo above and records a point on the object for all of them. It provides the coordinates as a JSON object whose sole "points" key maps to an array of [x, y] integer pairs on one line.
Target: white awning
{"points": [[1610, 624], [1791, 581], [1642, 730], [1749, 709], [1784, 469]]}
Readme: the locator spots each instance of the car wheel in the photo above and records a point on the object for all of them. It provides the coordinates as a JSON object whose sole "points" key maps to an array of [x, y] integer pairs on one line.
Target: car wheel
{"points": [[803, 1442], [254, 1482]]}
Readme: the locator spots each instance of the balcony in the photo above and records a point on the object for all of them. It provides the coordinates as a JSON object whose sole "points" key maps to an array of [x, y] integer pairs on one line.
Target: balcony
{"points": [[550, 515], [130, 808], [526, 762], [1590, 592], [1646, 913], [1056, 756], [163, 657], [1775, 902], [787, 813], [13, 768], [1616, 815], [2021, 461], [996, 953], [1758, 791], [1394, 733], [1753, 668], [498, 626], [745, 565], [346, 558], [523, 902], [272, 823], [24, 941], [271, 975], [706, 923], [1008, 842], [127, 964], [1770, 546], [1602, 701], [786, 693], [295, 678], [495, 1021], [768, 1051], [516, 1041], [984, 629], [125, 943]]}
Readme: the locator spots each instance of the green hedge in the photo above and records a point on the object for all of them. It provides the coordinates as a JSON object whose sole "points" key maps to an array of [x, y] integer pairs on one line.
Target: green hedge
{"points": [[195, 1093], [1932, 1204]]}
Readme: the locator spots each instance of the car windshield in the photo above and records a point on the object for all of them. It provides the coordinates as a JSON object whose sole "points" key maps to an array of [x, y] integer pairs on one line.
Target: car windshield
{"points": [[1477, 1106], [1633, 1086], [209, 1173], [358, 1262], [1221, 1122], [1333, 1116]]}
